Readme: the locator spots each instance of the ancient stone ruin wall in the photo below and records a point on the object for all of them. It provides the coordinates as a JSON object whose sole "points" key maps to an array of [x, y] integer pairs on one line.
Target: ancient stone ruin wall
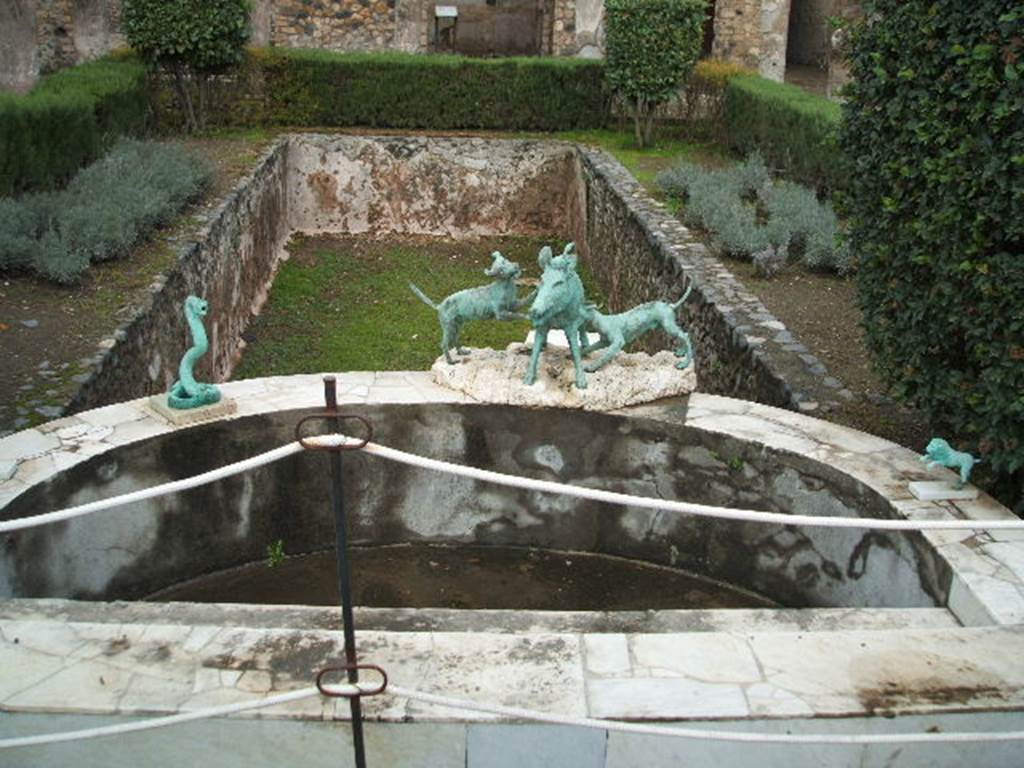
{"points": [[753, 33], [450, 187], [337, 25], [640, 252], [41, 36]]}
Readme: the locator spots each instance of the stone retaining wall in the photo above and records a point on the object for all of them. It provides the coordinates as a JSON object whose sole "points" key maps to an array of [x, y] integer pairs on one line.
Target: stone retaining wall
{"points": [[337, 25], [457, 188], [417, 185], [231, 263], [641, 253]]}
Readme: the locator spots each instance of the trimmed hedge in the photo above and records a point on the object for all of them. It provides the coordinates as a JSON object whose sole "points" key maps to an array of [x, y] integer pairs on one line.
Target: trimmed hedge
{"points": [[795, 131], [309, 88], [933, 133], [67, 121]]}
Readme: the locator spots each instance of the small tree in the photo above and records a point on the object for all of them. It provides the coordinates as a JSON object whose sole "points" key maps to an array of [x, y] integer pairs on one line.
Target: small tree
{"points": [[191, 39], [651, 47]]}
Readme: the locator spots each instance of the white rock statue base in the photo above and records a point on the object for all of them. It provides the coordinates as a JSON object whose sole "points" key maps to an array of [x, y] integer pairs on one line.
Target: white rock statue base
{"points": [[942, 490], [496, 376], [181, 417]]}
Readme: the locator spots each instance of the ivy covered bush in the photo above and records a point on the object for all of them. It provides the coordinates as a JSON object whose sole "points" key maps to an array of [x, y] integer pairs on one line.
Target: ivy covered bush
{"points": [[651, 46], [105, 211], [190, 40], [753, 217], [933, 133]]}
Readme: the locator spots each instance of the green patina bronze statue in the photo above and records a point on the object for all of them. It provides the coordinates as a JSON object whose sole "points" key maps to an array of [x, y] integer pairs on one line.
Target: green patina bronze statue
{"points": [[186, 392], [558, 304], [939, 453], [497, 300], [619, 330]]}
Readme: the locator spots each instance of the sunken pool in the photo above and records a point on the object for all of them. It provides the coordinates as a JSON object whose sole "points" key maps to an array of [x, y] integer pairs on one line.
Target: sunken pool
{"points": [[497, 596], [417, 526]]}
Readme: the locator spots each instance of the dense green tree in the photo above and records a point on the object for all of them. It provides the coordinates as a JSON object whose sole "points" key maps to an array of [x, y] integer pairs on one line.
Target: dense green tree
{"points": [[651, 47], [190, 39]]}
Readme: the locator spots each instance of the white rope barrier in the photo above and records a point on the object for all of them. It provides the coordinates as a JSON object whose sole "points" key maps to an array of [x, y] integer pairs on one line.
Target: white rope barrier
{"points": [[157, 722], [525, 483], [163, 489], [681, 507], [750, 737], [519, 713]]}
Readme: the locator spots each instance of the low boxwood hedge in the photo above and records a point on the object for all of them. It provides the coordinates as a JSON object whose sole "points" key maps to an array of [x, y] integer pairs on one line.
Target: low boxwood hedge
{"points": [[67, 121], [310, 88], [795, 131]]}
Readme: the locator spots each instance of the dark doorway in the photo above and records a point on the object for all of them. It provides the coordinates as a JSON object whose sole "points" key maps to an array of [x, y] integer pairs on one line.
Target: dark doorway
{"points": [[709, 30], [496, 27], [807, 44]]}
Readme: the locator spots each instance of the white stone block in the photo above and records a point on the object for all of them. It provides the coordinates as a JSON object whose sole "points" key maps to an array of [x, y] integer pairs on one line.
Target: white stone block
{"points": [[941, 490], [184, 417]]}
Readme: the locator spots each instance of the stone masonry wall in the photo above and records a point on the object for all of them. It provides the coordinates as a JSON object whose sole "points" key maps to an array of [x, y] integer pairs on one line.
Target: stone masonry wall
{"points": [[231, 264], [338, 25], [753, 33], [640, 252]]}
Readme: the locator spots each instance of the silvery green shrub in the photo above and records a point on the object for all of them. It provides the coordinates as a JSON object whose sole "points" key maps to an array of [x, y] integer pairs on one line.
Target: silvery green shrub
{"points": [[748, 213], [106, 211]]}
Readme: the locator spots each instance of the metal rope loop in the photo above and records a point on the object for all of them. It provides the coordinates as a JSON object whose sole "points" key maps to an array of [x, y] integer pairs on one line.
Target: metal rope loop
{"points": [[336, 694], [302, 439]]}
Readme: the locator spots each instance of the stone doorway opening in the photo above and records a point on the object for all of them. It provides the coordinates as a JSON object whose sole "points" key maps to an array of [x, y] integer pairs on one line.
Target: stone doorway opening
{"points": [[493, 28], [807, 44]]}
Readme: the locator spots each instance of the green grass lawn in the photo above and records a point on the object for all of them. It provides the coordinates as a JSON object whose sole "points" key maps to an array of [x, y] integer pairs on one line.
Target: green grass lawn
{"points": [[670, 148], [343, 303]]}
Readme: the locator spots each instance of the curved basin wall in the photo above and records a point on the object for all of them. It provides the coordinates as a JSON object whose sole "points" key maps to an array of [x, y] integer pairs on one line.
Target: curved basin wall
{"points": [[133, 551]]}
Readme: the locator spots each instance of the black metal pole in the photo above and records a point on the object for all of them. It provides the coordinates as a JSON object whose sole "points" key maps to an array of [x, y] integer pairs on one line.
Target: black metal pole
{"points": [[344, 576]]}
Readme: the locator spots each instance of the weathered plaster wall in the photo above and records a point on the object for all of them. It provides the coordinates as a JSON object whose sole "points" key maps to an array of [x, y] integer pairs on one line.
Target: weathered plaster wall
{"points": [[41, 36], [641, 253], [142, 548], [753, 33], [590, 28], [231, 264], [452, 187]]}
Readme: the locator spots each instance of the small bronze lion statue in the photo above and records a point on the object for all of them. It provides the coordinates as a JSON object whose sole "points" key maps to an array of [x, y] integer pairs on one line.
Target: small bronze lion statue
{"points": [[939, 453]]}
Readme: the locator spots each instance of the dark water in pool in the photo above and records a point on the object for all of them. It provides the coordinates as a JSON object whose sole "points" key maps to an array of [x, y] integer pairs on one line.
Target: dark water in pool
{"points": [[432, 576]]}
